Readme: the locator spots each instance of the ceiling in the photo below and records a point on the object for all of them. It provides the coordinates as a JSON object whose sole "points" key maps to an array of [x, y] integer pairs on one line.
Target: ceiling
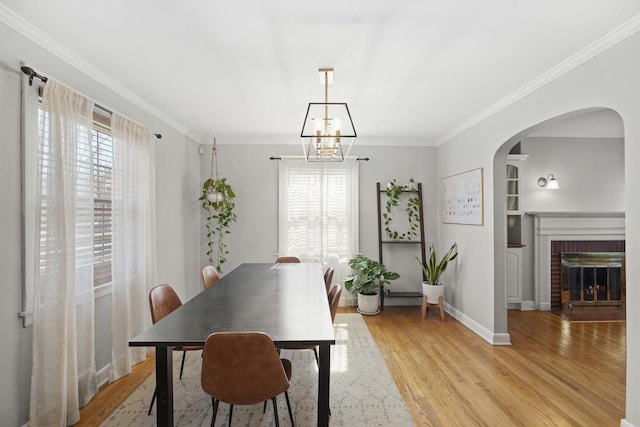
{"points": [[413, 72]]}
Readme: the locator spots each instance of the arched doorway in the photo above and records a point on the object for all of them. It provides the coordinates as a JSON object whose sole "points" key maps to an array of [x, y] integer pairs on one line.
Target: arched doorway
{"points": [[584, 150]]}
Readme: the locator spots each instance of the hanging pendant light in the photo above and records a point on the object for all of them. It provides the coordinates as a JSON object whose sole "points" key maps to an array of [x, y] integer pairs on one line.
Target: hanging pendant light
{"points": [[327, 132]]}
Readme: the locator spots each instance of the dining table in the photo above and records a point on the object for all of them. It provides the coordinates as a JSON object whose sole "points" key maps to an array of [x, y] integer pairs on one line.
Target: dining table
{"points": [[287, 301]]}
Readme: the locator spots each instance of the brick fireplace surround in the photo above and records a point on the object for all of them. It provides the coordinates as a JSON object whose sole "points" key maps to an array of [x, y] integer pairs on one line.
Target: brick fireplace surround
{"points": [[556, 232]]}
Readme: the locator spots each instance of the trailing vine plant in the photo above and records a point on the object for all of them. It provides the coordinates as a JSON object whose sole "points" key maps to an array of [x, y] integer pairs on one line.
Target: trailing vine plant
{"points": [[393, 192], [217, 200]]}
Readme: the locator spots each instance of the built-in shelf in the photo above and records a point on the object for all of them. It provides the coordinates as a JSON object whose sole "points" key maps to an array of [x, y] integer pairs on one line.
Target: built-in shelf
{"points": [[514, 197]]}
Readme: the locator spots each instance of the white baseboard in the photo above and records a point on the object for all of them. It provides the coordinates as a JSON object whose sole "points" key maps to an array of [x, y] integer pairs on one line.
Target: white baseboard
{"points": [[484, 333], [527, 305], [102, 376], [625, 423], [545, 306]]}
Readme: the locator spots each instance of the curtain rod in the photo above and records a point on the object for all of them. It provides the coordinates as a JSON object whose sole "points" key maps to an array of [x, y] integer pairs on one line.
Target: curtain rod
{"points": [[31, 73], [366, 159]]}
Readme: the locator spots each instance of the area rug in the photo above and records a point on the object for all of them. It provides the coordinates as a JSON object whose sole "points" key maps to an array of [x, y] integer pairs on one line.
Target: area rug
{"points": [[363, 392]]}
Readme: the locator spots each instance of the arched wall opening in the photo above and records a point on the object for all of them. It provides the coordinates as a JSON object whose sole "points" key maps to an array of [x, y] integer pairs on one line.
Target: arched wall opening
{"points": [[584, 149]]}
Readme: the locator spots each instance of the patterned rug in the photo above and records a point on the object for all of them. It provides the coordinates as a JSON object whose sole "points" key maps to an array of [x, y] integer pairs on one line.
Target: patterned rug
{"points": [[363, 392]]}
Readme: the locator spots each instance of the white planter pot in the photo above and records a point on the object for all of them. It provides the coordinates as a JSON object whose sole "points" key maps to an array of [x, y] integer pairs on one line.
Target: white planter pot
{"points": [[368, 304], [433, 292]]}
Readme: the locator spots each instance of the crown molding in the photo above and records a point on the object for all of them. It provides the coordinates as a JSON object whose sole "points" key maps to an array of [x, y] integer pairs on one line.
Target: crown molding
{"points": [[607, 41], [11, 19]]}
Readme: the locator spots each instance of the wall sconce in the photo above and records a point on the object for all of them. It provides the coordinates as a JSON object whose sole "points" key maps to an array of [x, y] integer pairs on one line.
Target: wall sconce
{"points": [[550, 182]]}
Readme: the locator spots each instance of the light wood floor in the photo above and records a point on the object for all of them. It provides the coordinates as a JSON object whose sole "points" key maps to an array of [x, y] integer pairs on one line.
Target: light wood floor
{"points": [[555, 373]]}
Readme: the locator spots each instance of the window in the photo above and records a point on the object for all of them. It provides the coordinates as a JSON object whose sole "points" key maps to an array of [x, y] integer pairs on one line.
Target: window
{"points": [[89, 228], [99, 163], [319, 212], [102, 167]]}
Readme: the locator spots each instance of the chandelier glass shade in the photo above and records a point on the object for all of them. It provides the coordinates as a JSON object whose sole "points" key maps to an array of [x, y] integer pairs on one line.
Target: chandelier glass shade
{"points": [[327, 132]]}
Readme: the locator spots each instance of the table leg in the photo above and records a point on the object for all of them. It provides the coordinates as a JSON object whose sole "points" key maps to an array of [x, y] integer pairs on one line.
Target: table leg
{"points": [[323, 384], [164, 386]]}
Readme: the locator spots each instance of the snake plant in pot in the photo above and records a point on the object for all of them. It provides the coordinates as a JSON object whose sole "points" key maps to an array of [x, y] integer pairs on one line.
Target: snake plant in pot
{"points": [[432, 288], [368, 278]]}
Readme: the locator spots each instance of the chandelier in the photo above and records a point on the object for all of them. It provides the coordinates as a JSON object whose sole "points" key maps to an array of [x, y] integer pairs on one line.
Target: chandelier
{"points": [[327, 127]]}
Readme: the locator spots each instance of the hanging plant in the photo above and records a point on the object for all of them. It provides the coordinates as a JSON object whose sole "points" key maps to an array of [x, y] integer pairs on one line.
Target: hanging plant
{"points": [[412, 210], [217, 200]]}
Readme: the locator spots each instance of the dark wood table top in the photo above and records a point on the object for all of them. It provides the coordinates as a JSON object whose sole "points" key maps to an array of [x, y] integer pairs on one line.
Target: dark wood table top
{"points": [[286, 301]]}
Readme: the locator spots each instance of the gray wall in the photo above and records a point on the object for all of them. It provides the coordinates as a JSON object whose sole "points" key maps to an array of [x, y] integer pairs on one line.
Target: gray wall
{"points": [[178, 219], [15, 359], [254, 179], [590, 172]]}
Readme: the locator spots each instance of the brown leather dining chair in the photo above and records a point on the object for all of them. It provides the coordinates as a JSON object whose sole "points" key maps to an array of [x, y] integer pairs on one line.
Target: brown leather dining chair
{"points": [[209, 276], [328, 278], [244, 368], [334, 299], [162, 301], [286, 259]]}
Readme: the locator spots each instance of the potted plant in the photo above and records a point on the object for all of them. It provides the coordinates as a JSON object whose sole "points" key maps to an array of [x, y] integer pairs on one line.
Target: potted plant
{"points": [[217, 200], [432, 288], [368, 278]]}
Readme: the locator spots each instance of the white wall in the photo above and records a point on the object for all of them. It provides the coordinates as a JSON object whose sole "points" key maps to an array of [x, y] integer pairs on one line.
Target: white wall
{"points": [[178, 174], [605, 80]]}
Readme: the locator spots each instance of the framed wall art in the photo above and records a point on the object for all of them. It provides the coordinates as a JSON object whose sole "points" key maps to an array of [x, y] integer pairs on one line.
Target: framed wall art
{"points": [[463, 198]]}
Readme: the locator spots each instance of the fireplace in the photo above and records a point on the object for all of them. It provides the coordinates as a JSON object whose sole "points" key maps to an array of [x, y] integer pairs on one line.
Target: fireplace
{"points": [[558, 232], [557, 248], [592, 279]]}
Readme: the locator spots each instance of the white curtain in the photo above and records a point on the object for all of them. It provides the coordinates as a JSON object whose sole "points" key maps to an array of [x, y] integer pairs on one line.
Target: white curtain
{"points": [[64, 372], [133, 259], [318, 212]]}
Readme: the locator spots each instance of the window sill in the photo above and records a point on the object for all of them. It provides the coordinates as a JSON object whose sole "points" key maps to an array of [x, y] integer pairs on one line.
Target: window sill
{"points": [[98, 292]]}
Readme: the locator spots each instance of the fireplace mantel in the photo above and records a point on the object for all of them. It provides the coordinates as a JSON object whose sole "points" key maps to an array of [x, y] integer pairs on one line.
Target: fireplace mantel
{"points": [[558, 226]]}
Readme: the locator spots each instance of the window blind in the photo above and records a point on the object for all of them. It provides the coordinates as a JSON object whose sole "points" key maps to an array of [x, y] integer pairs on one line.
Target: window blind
{"points": [[94, 161]]}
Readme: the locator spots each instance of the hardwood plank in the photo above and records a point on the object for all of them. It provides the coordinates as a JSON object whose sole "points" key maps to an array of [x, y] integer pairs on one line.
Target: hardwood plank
{"points": [[112, 395], [554, 373]]}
